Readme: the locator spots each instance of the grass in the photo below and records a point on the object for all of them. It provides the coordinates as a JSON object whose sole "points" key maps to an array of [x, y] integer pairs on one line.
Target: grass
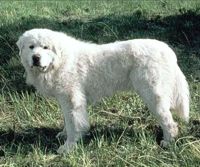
{"points": [[123, 132]]}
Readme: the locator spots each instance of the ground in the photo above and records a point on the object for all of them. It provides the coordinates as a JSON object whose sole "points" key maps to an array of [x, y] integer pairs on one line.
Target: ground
{"points": [[123, 132]]}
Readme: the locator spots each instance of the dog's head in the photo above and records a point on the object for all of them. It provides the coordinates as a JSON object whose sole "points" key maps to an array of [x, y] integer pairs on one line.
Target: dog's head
{"points": [[39, 50]]}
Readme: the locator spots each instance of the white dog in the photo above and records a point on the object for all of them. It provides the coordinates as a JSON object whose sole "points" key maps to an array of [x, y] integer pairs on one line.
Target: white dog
{"points": [[77, 73]]}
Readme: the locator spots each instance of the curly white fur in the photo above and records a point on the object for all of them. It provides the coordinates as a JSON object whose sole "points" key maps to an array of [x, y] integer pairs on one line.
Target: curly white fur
{"points": [[77, 73]]}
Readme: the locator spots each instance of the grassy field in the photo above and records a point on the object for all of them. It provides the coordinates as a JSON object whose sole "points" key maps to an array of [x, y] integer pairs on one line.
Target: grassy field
{"points": [[123, 132]]}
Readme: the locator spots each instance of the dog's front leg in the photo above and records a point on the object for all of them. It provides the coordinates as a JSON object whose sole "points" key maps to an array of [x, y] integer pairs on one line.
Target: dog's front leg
{"points": [[62, 134], [76, 121]]}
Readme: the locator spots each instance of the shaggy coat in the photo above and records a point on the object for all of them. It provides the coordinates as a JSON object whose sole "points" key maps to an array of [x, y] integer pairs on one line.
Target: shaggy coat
{"points": [[77, 73]]}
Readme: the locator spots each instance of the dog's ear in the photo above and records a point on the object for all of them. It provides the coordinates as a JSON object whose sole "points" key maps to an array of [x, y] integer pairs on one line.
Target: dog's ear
{"points": [[57, 59], [20, 44]]}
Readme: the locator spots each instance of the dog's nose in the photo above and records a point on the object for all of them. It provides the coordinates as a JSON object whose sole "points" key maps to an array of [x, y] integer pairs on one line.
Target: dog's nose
{"points": [[36, 60]]}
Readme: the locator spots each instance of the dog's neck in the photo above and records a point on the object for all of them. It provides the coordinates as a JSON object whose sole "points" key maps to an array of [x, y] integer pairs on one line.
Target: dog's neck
{"points": [[43, 82]]}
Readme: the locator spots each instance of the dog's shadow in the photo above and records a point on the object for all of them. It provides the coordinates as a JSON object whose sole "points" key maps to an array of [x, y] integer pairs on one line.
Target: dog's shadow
{"points": [[45, 137]]}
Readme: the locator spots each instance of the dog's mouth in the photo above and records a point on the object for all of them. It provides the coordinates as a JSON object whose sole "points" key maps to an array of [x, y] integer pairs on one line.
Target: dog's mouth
{"points": [[40, 68], [43, 69]]}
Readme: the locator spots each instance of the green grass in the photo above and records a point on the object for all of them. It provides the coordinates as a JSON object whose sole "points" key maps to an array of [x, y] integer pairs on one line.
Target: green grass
{"points": [[123, 132]]}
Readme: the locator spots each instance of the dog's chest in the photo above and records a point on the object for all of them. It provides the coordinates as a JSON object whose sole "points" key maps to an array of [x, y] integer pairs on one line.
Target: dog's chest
{"points": [[46, 85]]}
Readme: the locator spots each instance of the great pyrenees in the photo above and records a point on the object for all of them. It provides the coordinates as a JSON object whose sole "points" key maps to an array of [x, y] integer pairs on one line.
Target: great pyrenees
{"points": [[78, 73]]}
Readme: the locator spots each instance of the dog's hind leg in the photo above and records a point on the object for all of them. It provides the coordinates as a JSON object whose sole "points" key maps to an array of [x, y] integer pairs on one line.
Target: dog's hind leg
{"points": [[158, 102], [160, 107]]}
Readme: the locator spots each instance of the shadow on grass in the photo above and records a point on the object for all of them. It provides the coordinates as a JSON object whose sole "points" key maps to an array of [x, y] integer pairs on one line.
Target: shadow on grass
{"points": [[183, 29], [115, 133], [195, 128], [45, 138]]}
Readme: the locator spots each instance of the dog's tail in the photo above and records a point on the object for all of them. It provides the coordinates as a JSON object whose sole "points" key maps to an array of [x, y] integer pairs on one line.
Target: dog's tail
{"points": [[182, 97]]}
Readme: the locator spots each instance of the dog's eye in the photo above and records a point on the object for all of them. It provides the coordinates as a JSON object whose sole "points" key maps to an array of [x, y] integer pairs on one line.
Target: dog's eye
{"points": [[31, 46], [45, 47]]}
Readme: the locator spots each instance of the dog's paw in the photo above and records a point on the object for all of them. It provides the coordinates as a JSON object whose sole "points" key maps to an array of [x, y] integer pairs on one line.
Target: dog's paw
{"points": [[164, 144], [62, 150], [66, 148], [61, 134]]}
